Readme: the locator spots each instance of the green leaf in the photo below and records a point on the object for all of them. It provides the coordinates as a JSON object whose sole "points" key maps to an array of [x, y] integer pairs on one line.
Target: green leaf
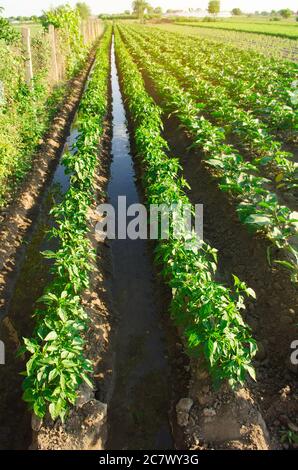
{"points": [[255, 219], [51, 336], [53, 374], [286, 264], [30, 345], [251, 292], [87, 380], [251, 371]]}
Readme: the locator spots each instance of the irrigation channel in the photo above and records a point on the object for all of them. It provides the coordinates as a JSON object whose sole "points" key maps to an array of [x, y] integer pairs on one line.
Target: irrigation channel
{"points": [[138, 416], [142, 393]]}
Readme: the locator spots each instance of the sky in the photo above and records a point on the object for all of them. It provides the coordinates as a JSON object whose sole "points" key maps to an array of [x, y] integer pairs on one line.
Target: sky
{"points": [[35, 7]]}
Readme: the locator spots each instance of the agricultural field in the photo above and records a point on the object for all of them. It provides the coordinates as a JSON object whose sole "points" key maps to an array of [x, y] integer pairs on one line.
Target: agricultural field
{"points": [[272, 46], [279, 28], [35, 28], [149, 242]]}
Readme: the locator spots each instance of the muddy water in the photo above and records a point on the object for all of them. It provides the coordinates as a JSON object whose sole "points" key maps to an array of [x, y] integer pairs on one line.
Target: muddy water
{"points": [[32, 277], [138, 411]]}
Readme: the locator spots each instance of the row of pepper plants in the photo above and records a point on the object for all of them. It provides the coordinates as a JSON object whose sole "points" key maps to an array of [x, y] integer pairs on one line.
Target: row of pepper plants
{"points": [[207, 311], [57, 364], [214, 101], [257, 206], [270, 46], [257, 84]]}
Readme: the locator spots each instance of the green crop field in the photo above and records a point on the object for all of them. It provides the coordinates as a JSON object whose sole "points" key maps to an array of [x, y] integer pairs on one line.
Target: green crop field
{"points": [[149, 235], [34, 27], [280, 29], [272, 46]]}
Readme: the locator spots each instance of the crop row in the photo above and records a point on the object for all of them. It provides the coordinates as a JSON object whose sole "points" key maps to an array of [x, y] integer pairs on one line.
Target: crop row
{"points": [[255, 83], [234, 62], [279, 48], [257, 206], [208, 312], [57, 365], [282, 30], [224, 111]]}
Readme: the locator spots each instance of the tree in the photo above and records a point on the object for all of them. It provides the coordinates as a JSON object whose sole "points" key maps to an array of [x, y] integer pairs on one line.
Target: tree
{"points": [[7, 32], [149, 9], [84, 10], [236, 12], [139, 7], [214, 7], [158, 11], [285, 13]]}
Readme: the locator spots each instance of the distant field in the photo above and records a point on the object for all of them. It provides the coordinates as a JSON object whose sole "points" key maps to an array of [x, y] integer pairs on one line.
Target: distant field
{"points": [[259, 19], [34, 27], [284, 29], [272, 46]]}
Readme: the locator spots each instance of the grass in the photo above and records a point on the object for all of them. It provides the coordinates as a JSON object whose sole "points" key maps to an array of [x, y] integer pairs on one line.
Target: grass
{"points": [[284, 29], [34, 27]]}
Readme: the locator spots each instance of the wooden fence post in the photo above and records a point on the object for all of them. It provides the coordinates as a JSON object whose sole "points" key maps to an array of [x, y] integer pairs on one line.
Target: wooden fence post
{"points": [[54, 65], [89, 32], [28, 55], [92, 29], [83, 31], [100, 28]]}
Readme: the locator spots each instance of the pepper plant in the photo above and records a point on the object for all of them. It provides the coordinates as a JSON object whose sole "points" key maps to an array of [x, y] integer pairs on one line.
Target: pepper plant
{"points": [[208, 312], [57, 364], [235, 175]]}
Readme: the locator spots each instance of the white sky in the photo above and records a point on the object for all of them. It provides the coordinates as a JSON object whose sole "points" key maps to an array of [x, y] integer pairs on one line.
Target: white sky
{"points": [[35, 7]]}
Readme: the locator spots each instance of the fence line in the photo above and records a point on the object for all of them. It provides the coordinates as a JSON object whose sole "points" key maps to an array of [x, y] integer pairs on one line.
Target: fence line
{"points": [[27, 49], [54, 73], [90, 29]]}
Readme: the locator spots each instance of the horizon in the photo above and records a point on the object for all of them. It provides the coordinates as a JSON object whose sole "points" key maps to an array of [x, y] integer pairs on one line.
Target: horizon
{"points": [[19, 8]]}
